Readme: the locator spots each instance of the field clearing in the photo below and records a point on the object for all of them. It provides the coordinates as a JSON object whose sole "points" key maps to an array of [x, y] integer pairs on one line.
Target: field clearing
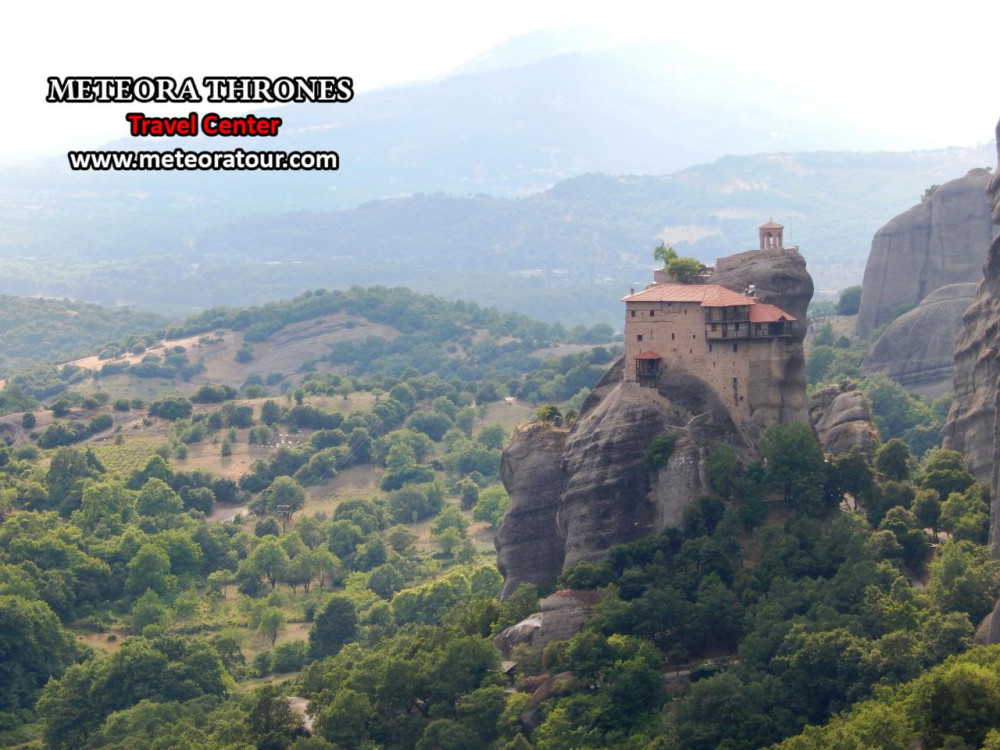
{"points": [[509, 414], [355, 482], [130, 456], [99, 641]]}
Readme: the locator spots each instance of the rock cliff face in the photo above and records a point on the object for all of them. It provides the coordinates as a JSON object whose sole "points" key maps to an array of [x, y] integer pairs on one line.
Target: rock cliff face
{"points": [[940, 241], [843, 420], [972, 427], [916, 350], [574, 494], [780, 278]]}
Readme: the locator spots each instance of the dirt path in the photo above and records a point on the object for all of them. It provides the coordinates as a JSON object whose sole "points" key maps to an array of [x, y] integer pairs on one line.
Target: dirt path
{"points": [[299, 706]]}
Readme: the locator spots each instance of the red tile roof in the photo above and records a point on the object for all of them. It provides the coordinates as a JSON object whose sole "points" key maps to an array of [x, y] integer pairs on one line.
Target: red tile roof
{"points": [[761, 313], [707, 295], [710, 295], [648, 355]]}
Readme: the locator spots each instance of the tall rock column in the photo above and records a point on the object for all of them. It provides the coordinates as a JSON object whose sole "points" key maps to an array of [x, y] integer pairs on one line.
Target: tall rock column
{"points": [[940, 241], [972, 427]]}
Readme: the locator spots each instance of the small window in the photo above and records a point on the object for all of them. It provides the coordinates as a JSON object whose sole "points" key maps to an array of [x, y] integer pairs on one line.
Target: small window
{"points": [[715, 326], [633, 313], [693, 336], [736, 347], [638, 337], [652, 313], [671, 336]]}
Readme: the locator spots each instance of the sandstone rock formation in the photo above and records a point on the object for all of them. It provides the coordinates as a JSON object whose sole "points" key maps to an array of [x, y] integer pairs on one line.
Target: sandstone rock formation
{"points": [[972, 427], [528, 549], [916, 350], [563, 615], [574, 494], [940, 241], [780, 279], [842, 418]]}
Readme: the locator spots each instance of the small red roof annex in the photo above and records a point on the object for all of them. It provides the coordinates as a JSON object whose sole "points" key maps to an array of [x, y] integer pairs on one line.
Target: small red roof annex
{"points": [[761, 313], [648, 355]]}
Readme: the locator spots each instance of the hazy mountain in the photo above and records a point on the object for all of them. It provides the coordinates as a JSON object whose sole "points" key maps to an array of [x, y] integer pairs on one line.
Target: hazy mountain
{"points": [[566, 254], [528, 123], [513, 121]]}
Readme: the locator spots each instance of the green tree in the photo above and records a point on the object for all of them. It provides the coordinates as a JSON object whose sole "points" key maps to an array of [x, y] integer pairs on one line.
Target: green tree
{"points": [[794, 462], [894, 461], [491, 506], [721, 469], [33, 647], [105, 508], [268, 560], [271, 721], [149, 570], [927, 508], [449, 517], [284, 491], [850, 301], [271, 622], [684, 269], [63, 481], [966, 515], [661, 448], [270, 412], [344, 720], [172, 407], [964, 578], [945, 472], [335, 626], [854, 474], [664, 253], [156, 498]]}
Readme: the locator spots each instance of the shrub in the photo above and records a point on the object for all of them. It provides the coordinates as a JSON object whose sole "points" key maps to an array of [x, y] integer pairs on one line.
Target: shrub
{"points": [[661, 448]]}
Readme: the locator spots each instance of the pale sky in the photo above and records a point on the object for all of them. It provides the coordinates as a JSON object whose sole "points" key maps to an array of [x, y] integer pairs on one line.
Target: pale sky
{"points": [[926, 74]]}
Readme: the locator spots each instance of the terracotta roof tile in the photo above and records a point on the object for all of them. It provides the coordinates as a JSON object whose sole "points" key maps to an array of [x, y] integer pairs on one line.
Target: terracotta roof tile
{"points": [[707, 295], [761, 313], [648, 355], [710, 295], [771, 225]]}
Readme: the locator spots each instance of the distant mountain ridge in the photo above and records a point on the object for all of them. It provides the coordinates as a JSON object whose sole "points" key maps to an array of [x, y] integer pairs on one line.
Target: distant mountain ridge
{"points": [[496, 182], [567, 254]]}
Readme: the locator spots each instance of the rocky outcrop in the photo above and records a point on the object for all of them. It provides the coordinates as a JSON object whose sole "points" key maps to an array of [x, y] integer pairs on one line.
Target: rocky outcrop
{"points": [[563, 615], [842, 418], [528, 548], [780, 278], [572, 504], [916, 350], [940, 241], [573, 494], [972, 427]]}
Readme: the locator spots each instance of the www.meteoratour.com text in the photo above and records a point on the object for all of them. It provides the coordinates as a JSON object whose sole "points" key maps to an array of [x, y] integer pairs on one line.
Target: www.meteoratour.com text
{"points": [[179, 159]]}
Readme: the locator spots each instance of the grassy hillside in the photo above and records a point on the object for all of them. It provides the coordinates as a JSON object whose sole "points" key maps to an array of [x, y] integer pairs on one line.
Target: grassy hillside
{"points": [[34, 329]]}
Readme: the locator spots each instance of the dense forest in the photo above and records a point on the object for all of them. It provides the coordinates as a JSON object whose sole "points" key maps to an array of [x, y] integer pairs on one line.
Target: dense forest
{"points": [[309, 564], [50, 330]]}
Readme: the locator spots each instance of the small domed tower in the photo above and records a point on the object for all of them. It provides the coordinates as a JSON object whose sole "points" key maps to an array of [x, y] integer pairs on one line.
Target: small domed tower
{"points": [[771, 236]]}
